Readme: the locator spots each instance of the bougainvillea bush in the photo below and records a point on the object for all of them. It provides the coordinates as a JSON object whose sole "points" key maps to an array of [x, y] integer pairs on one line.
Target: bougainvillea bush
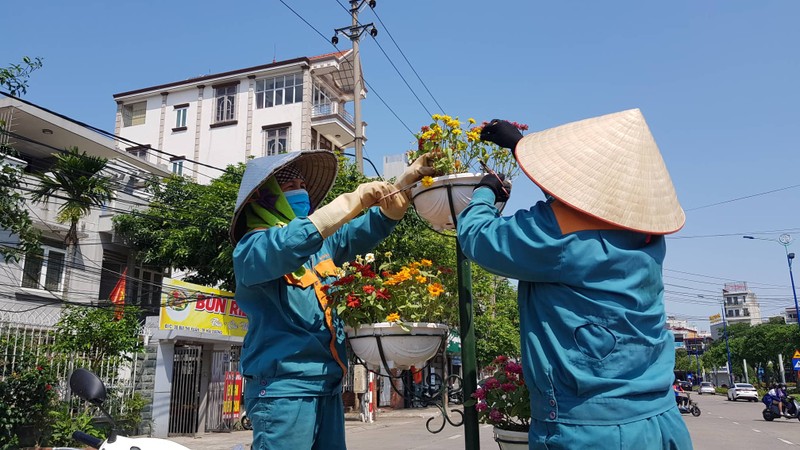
{"points": [[503, 399]]}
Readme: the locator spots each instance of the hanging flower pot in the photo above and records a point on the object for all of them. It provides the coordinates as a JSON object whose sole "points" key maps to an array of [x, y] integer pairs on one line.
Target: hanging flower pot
{"points": [[511, 440], [401, 348], [441, 202]]}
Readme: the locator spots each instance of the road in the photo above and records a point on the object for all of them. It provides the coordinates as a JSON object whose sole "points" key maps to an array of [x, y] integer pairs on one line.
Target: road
{"points": [[738, 425], [405, 433]]}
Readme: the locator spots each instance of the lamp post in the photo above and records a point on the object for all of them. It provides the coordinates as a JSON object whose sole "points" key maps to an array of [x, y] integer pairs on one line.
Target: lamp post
{"points": [[727, 347], [785, 240]]}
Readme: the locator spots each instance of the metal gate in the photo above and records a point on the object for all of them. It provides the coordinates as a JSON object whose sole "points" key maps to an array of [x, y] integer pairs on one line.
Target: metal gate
{"points": [[221, 361], [185, 396]]}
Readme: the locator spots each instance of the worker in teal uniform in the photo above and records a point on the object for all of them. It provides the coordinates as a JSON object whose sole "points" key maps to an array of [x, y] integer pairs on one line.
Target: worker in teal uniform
{"points": [[596, 354], [286, 249]]}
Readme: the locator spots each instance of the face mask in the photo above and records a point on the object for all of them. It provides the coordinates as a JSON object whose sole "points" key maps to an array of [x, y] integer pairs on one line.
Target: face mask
{"points": [[299, 201]]}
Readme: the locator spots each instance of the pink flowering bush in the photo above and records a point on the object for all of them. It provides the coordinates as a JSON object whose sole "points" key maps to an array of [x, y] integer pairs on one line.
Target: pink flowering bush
{"points": [[503, 399]]}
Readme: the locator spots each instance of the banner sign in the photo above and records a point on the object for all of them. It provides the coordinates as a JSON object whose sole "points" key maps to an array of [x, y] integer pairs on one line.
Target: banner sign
{"points": [[716, 318], [232, 397], [192, 307]]}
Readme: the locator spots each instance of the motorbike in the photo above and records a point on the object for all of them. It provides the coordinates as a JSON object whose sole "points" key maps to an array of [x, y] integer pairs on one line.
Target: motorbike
{"points": [[791, 409], [88, 386], [690, 407], [245, 421]]}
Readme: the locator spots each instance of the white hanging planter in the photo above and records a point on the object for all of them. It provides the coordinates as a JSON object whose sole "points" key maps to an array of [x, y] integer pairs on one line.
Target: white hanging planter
{"points": [[448, 195], [401, 349], [511, 440]]}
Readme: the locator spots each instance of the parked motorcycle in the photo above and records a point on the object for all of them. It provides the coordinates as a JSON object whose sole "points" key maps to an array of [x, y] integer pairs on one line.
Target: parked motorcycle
{"points": [[690, 407], [791, 409], [87, 386], [245, 421]]}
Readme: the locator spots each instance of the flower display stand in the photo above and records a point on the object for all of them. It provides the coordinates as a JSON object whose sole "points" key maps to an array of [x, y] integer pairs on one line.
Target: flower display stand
{"points": [[387, 344], [511, 440], [441, 202]]}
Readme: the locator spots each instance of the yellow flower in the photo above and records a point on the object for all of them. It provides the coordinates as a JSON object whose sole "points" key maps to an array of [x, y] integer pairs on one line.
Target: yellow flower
{"points": [[457, 131], [435, 289], [393, 317], [436, 117], [426, 262], [420, 279], [427, 181], [471, 120]]}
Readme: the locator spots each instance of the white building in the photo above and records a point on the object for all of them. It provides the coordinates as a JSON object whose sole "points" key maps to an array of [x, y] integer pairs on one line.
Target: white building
{"points": [[32, 289], [740, 305], [228, 117]]}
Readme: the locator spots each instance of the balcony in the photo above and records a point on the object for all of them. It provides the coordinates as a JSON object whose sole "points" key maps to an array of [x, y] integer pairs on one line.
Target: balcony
{"points": [[333, 122]]}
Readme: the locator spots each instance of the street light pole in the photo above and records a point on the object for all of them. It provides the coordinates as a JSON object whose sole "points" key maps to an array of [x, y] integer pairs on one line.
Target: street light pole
{"points": [[785, 240]]}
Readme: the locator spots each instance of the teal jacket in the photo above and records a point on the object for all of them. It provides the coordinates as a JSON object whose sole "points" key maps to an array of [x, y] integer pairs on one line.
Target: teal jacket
{"points": [[595, 349], [292, 347]]}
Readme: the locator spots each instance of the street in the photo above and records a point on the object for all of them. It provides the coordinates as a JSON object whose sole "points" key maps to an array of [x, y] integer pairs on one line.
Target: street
{"points": [[722, 425], [738, 425]]}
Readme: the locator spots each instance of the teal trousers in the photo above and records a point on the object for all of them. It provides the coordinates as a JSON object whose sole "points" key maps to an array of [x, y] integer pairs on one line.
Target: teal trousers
{"points": [[297, 423]]}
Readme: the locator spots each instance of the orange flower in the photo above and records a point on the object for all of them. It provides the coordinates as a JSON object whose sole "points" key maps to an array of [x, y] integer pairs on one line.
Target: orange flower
{"points": [[393, 317], [427, 181], [435, 289]]}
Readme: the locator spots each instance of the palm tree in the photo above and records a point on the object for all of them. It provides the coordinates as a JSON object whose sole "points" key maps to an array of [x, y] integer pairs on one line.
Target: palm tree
{"points": [[76, 180]]}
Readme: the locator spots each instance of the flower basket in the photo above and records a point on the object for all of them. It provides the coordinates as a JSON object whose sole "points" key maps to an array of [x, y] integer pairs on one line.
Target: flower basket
{"points": [[441, 202], [401, 348], [511, 440]]}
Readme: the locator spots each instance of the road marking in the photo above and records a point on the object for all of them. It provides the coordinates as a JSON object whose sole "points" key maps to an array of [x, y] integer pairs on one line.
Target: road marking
{"points": [[757, 431], [455, 436], [785, 441], [736, 423]]}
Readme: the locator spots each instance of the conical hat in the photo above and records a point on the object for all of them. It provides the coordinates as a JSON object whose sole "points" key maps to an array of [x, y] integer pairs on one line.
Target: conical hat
{"points": [[319, 168], [608, 167]]}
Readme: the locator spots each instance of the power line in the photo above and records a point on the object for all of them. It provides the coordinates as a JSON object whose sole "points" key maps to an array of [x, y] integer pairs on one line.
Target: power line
{"points": [[744, 198], [384, 27]]}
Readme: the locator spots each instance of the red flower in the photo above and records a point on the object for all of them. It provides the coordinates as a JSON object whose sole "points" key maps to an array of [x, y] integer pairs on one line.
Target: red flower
{"points": [[47, 387], [353, 301], [383, 294], [325, 287], [39, 368], [368, 289], [367, 272], [344, 280]]}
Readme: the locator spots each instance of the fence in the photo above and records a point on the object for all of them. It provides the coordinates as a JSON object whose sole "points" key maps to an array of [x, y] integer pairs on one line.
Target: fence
{"points": [[21, 343]]}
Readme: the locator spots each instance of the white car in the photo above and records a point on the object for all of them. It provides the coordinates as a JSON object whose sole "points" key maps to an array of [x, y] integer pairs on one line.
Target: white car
{"points": [[743, 390], [706, 387]]}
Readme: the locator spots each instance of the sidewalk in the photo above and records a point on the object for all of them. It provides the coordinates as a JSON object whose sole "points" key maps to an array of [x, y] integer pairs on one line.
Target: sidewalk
{"points": [[241, 440]]}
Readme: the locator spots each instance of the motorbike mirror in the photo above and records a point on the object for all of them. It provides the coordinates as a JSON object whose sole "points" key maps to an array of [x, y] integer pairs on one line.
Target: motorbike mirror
{"points": [[87, 386]]}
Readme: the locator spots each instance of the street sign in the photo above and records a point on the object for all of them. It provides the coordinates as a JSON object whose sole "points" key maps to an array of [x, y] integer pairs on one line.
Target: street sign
{"points": [[796, 354], [796, 364]]}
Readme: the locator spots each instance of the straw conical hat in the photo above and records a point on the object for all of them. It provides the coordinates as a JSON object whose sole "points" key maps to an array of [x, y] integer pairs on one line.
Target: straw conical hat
{"points": [[608, 167], [319, 168]]}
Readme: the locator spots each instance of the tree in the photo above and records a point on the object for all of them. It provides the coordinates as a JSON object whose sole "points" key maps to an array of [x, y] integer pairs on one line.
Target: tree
{"points": [[14, 216], [76, 180], [186, 227], [94, 331], [15, 77]]}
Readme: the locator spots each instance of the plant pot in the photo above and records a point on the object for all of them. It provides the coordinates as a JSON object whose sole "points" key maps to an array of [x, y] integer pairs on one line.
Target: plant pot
{"points": [[401, 349], [511, 440], [442, 202]]}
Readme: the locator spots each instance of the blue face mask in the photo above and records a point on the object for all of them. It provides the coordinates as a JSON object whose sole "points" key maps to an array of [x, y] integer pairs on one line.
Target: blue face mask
{"points": [[299, 201]]}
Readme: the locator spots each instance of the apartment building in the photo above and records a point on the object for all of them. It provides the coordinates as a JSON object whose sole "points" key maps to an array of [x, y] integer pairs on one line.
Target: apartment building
{"points": [[226, 118]]}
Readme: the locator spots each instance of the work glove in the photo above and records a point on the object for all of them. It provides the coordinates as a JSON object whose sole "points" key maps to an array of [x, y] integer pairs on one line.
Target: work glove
{"points": [[395, 205], [345, 207], [502, 133], [413, 173], [498, 184]]}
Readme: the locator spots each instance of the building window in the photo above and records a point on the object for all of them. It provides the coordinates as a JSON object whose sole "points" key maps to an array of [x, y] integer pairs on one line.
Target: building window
{"points": [[226, 103], [276, 140], [146, 289], [321, 101], [177, 165], [140, 151], [44, 271], [180, 117], [281, 90], [133, 114]]}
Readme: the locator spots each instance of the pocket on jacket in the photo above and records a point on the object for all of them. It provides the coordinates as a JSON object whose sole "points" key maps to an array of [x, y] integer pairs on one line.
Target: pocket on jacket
{"points": [[595, 341]]}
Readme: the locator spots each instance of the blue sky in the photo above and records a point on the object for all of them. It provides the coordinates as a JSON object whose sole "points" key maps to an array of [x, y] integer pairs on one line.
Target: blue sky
{"points": [[716, 80]]}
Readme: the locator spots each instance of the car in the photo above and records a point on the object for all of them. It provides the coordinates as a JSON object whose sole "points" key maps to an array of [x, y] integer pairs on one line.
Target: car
{"points": [[707, 387], [742, 390], [686, 385]]}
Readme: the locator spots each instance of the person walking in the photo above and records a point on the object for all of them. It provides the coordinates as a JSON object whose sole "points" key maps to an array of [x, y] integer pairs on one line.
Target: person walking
{"points": [[596, 354]]}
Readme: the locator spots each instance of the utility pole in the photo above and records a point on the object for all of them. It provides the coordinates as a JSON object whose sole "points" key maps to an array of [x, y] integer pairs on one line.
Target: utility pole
{"points": [[354, 32]]}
